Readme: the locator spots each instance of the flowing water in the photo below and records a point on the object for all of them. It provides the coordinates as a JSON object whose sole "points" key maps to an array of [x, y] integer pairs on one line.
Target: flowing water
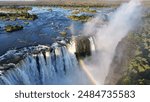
{"points": [[51, 65]]}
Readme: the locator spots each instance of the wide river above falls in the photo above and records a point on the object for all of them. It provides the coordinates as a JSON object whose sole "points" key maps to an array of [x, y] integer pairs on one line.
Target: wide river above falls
{"points": [[44, 30]]}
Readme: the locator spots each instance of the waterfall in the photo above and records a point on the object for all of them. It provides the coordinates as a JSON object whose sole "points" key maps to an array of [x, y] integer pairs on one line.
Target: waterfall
{"points": [[40, 65]]}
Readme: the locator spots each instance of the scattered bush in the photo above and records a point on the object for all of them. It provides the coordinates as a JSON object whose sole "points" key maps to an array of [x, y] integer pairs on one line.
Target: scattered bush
{"points": [[63, 33], [11, 28], [15, 9], [83, 18], [139, 66], [14, 16], [86, 10]]}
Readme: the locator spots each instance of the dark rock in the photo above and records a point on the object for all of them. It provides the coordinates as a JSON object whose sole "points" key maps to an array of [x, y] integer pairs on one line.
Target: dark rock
{"points": [[83, 47]]}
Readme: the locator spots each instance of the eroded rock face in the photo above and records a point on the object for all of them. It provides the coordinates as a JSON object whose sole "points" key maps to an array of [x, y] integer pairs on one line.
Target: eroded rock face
{"points": [[83, 47], [124, 52]]}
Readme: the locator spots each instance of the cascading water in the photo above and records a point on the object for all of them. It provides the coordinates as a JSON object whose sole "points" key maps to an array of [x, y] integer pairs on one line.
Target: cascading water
{"points": [[45, 65]]}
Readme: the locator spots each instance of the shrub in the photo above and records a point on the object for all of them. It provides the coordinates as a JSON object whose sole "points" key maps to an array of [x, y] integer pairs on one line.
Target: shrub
{"points": [[83, 18], [11, 28]]}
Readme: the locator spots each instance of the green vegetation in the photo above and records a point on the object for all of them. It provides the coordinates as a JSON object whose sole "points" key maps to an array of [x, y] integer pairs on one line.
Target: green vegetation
{"points": [[20, 16], [68, 28], [11, 28], [86, 10], [63, 33], [139, 66], [16, 12], [75, 12], [26, 23], [82, 18], [15, 9]]}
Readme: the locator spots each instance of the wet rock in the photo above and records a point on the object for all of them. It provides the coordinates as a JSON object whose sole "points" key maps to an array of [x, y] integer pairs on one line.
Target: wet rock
{"points": [[83, 47], [7, 66]]}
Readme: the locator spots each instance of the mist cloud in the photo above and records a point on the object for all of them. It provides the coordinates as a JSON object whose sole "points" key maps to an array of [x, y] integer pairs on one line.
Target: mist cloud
{"points": [[123, 20]]}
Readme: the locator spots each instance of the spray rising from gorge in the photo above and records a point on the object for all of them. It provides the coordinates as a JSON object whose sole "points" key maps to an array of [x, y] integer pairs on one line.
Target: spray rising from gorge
{"points": [[107, 37]]}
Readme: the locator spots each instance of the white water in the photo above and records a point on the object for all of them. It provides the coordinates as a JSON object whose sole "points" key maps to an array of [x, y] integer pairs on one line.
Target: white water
{"points": [[58, 67], [123, 20]]}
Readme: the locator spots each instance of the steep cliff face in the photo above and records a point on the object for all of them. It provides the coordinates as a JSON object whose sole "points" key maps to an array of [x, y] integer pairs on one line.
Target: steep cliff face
{"points": [[131, 64], [139, 66], [125, 51]]}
